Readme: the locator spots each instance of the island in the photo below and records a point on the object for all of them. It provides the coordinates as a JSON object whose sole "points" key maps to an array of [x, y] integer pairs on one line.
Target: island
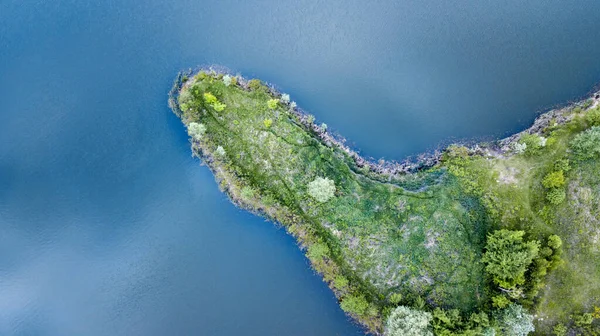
{"points": [[499, 238]]}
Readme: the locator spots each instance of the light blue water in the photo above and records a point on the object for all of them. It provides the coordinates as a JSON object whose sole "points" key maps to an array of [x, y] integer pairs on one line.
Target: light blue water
{"points": [[109, 227]]}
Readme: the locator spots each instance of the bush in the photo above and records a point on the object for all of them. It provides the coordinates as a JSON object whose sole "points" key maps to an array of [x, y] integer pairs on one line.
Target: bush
{"points": [[556, 196], [227, 80], [218, 106], [404, 321], [268, 123], [395, 298], [554, 180], [209, 98], [355, 305], [196, 130], [562, 164], [500, 301], [321, 189], [272, 103], [560, 330], [318, 251], [593, 117], [532, 142], [220, 151], [254, 84], [586, 145], [340, 282], [507, 257]]}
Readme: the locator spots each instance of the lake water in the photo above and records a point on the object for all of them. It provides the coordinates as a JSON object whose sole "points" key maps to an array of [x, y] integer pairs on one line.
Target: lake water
{"points": [[109, 227]]}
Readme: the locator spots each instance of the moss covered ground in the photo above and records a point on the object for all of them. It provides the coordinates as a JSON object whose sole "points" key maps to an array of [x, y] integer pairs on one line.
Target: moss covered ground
{"points": [[412, 239]]}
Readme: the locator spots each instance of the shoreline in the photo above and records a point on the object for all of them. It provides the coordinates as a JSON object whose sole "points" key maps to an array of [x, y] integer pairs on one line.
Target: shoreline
{"points": [[412, 164]]}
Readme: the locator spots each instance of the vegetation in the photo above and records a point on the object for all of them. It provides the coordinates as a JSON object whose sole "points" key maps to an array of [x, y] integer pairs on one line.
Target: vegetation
{"points": [[475, 245]]}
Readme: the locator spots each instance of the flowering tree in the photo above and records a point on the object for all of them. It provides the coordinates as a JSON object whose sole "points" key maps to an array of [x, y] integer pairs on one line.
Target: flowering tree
{"points": [[404, 321], [321, 189], [196, 130]]}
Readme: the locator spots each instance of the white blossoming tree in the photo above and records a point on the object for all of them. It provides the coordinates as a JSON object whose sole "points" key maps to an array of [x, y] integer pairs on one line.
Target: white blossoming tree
{"points": [[220, 151], [404, 321], [196, 130], [227, 80], [285, 98], [321, 189]]}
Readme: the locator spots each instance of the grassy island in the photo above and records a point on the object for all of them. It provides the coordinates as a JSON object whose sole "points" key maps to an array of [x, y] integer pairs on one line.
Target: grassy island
{"points": [[495, 239]]}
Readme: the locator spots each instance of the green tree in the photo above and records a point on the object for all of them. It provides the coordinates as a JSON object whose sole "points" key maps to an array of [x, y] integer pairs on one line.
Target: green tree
{"points": [[586, 145], [321, 189], [507, 257], [404, 321]]}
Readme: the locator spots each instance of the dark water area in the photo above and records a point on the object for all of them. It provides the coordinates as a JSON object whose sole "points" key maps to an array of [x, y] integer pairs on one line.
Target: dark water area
{"points": [[109, 227]]}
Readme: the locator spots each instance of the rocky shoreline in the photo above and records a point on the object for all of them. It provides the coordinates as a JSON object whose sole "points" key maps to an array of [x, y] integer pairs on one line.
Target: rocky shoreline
{"points": [[391, 169]]}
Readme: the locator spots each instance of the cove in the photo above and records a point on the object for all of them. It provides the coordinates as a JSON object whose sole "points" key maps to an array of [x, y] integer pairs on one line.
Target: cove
{"points": [[110, 227]]}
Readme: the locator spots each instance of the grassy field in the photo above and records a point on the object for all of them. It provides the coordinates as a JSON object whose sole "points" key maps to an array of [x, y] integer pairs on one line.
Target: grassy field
{"points": [[383, 241]]}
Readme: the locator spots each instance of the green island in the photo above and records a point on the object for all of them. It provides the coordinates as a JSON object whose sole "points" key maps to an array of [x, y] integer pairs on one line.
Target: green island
{"points": [[499, 238]]}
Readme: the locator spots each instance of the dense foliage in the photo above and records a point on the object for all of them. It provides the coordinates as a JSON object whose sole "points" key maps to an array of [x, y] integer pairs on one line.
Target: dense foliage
{"points": [[471, 246]]}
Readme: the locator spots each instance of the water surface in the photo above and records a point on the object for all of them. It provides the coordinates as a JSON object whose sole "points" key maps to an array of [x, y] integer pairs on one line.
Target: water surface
{"points": [[108, 225]]}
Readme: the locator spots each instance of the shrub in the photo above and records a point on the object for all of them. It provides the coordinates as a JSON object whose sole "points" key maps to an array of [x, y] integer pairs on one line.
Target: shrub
{"points": [[268, 123], [593, 117], [227, 80], [586, 145], [556, 196], [209, 98], [562, 164], [554, 180], [272, 103], [254, 84], [395, 298], [340, 282], [519, 148], [285, 98], [404, 321], [355, 304], [507, 257], [533, 142], [515, 321], [321, 189], [554, 242], [317, 251], [247, 193], [196, 130], [220, 151], [560, 330], [218, 106], [500, 301]]}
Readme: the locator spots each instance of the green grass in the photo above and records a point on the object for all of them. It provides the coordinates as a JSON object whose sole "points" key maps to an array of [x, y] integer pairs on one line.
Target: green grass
{"points": [[421, 235]]}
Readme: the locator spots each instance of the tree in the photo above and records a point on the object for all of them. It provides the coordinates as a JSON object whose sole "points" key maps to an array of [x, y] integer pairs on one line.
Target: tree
{"points": [[321, 189], [586, 145], [404, 321], [515, 321], [196, 130], [554, 180], [507, 257]]}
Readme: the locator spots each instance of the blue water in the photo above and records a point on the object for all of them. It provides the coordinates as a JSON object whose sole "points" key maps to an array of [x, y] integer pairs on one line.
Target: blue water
{"points": [[109, 227]]}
